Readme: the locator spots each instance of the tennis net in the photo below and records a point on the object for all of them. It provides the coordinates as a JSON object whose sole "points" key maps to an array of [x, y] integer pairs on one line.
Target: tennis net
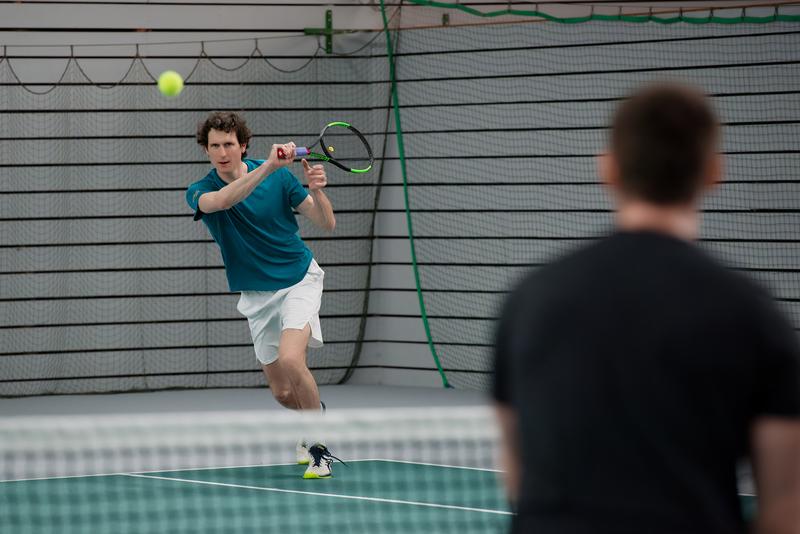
{"points": [[407, 470]]}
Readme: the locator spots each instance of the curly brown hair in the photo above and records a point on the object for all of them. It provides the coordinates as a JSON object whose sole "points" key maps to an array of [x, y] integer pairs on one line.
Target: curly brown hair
{"points": [[224, 121]]}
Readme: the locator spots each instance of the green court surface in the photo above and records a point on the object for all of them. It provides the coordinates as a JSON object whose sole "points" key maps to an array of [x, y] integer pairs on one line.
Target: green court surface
{"points": [[364, 496]]}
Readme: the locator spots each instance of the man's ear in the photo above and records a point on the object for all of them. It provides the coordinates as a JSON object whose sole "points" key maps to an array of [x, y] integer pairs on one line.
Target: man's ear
{"points": [[608, 169]]}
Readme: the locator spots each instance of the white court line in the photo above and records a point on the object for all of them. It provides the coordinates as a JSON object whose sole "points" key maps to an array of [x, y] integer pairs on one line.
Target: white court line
{"points": [[207, 468], [236, 467], [334, 495], [145, 472], [63, 477]]}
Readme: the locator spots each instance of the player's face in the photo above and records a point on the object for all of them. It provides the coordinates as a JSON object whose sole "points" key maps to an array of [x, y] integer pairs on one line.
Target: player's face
{"points": [[224, 151]]}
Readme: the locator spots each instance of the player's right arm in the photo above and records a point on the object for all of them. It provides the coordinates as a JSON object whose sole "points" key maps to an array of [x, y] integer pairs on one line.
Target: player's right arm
{"points": [[776, 464], [504, 394], [510, 460], [775, 431], [238, 190]]}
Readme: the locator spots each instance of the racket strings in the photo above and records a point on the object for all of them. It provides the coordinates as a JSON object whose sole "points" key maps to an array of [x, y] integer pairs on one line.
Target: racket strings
{"points": [[346, 147]]}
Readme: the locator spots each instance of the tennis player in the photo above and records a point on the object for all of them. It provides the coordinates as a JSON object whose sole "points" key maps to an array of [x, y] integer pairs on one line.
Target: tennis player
{"points": [[633, 375], [247, 206]]}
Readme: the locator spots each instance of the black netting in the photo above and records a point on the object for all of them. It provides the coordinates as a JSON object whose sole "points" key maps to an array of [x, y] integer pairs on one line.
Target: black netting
{"points": [[501, 125], [107, 284]]}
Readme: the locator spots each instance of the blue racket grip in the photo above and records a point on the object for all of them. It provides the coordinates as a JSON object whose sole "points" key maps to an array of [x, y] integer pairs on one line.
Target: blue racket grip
{"points": [[298, 151]]}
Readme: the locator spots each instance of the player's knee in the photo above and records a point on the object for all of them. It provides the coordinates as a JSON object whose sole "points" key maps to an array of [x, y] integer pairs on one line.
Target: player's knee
{"points": [[285, 397]]}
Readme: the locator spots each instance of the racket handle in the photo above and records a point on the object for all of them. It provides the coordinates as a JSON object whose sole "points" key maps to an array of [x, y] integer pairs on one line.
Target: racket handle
{"points": [[299, 151]]}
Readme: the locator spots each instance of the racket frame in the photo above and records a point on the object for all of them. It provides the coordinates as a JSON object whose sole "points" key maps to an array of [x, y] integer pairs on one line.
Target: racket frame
{"points": [[326, 155]]}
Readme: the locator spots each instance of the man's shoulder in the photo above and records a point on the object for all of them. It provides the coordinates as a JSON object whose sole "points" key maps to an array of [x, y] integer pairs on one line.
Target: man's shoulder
{"points": [[551, 277], [657, 256], [207, 184], [571, 262], [606, 259], [208, 181]]}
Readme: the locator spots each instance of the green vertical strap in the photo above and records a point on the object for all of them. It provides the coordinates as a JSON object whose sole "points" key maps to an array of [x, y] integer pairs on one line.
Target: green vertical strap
{"points": [[402, 153], [329, 32]]}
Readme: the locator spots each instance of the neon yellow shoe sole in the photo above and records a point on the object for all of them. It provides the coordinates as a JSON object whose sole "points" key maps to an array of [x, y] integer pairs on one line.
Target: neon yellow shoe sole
{"points": [[314, 475]]}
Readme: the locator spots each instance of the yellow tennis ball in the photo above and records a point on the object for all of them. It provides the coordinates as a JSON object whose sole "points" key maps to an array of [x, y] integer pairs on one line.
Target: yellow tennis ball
{"points": [[170, 83]]}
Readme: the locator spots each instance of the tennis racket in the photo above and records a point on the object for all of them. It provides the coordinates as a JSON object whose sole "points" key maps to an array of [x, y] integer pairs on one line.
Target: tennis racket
{"points": [[341, 145]]}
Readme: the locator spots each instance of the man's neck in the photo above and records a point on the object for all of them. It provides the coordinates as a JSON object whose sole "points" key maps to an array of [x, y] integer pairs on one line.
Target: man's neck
{"points": [[676, 221], [229, 177]]}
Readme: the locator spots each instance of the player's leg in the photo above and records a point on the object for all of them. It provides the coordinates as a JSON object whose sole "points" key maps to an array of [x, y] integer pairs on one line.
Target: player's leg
{"points": [[290, 380], [280, 385], [300, 328], [282, 389], [292, 357], [263, 312], [293, 367]]}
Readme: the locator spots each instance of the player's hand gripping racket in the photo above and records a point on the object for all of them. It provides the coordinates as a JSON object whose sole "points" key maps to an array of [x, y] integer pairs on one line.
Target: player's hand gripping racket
{"points": [[342, 145]]}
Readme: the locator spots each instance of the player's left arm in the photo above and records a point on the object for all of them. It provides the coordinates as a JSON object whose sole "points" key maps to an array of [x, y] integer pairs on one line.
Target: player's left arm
{"points": [[316, 206], [510, 460]]}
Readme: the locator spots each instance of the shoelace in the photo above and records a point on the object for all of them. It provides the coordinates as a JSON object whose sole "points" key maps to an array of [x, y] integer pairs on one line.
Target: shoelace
{"points": [[322, 453]]}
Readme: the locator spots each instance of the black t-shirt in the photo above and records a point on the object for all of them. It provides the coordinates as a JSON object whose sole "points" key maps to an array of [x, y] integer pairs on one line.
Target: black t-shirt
{"points": [[636, 367]]}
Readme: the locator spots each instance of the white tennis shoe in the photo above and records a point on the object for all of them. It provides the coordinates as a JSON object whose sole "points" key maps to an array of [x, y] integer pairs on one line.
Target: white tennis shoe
{"points": [[320, 462], [302, 452]]}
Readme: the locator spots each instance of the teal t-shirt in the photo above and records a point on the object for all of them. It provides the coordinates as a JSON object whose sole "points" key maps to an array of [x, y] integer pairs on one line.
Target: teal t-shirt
{"points": [[258, 237]]}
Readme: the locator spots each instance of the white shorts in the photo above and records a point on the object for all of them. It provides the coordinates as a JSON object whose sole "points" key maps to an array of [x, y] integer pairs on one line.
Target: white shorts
{"points": [[271, 312]]}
